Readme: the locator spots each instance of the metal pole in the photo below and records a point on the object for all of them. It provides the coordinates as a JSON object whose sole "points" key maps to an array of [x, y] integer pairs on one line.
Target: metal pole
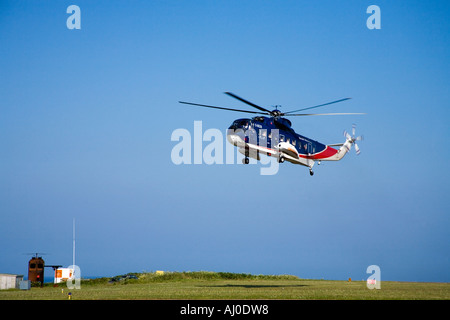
{"points": [[73, 257]]}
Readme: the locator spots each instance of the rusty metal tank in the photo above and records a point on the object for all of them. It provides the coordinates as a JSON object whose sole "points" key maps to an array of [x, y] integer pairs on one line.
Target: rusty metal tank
{"points": [[36, 269]]}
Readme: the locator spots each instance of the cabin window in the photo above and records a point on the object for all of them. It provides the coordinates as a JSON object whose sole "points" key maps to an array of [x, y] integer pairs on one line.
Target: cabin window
{"points": [[262, 133], [281, 137], [294, 142]]}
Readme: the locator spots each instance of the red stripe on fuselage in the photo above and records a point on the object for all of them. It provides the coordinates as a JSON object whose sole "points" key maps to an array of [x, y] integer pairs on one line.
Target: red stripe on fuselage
{"points": [[328, 152]]}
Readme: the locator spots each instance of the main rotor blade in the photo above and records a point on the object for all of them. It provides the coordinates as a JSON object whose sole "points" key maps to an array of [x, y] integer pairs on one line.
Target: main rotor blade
{"points": [[320, 105], [319, 114], [247, 102], [230, 109]]}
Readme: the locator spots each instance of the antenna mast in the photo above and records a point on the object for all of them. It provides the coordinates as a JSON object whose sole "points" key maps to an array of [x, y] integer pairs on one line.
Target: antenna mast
{"points": [[73, 250]]}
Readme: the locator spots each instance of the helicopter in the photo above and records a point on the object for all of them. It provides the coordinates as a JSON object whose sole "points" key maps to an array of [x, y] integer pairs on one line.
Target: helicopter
{"points": [[270, 133]]}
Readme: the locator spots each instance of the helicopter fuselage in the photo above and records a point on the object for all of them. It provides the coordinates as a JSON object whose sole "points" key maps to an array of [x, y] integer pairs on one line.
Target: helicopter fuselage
{"points": [[275, 137]]}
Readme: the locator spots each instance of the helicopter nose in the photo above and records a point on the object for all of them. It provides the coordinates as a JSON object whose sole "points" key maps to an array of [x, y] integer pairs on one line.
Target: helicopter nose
{"points": [[236, 137]]}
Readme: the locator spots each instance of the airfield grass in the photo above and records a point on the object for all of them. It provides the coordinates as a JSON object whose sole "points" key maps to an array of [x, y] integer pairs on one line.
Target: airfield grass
{"points": [[224, 286]]}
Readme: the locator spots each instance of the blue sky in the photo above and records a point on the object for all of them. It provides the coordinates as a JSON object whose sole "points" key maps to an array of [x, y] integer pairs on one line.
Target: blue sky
{"points": [[87, 117]]}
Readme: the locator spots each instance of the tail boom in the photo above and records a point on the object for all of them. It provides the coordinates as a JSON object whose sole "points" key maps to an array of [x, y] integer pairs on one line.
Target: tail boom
{"points": [[329, 153], [339, 154]]}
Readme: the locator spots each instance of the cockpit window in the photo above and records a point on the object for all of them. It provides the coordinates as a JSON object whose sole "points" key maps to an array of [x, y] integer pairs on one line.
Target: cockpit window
{"points": [[241, 123]]}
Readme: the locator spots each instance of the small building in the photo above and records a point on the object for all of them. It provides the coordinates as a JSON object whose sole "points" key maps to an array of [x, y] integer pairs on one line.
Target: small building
{"points": [[63, 274], [10, 281]]}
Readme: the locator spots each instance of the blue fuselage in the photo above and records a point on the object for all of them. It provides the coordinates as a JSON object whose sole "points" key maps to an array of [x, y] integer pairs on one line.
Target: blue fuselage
{"points": [[262, 131]]}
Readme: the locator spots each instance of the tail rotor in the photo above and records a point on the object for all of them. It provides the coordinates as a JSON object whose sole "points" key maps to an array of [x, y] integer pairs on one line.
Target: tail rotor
{"points": [[352, 139]]}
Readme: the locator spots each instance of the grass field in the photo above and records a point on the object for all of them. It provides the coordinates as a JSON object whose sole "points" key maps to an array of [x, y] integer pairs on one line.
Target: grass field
{"points": [[218, 285]]}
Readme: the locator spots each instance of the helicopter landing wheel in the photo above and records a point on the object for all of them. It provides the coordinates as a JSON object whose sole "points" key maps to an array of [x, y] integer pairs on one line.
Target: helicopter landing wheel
{"points": [[311, 172], [245, 161], [281, 159]]}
